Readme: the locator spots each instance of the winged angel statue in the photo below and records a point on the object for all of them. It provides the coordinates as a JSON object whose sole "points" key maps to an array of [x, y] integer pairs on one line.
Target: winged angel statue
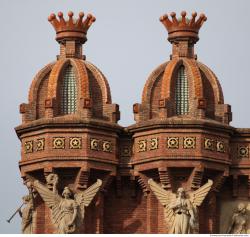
{"points": [[180, 209], [67, 213]]}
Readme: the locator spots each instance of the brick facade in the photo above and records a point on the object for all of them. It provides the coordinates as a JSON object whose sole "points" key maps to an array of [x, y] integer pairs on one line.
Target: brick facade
{"points": [[175, 151]]}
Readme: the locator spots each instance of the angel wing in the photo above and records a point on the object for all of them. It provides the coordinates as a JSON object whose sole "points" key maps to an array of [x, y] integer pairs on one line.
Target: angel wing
{"points": [[83, 199], [197, 197], [165, 198], [51, 199]]}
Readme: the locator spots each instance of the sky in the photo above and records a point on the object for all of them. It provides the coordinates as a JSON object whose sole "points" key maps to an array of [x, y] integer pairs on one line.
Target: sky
{"points": [[126, 42]]}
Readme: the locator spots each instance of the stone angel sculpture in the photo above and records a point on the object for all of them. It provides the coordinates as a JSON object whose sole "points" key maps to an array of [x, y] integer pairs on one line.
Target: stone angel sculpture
{"points": [[180, 208], [26, 214], [67, 213], [238, 224]]}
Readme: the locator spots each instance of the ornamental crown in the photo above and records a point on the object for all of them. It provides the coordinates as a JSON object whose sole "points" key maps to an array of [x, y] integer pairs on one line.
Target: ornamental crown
{"points": [[72, 29], [183, 28]]}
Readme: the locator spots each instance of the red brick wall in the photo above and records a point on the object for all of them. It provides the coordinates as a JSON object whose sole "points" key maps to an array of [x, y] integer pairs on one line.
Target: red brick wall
{"points": [[40, 216], [125, 214]]}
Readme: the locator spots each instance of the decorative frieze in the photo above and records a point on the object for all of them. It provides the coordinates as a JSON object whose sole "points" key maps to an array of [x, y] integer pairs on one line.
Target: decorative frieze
{"points": [[58, 142], [150, 144], [40, 144], [125, 151], [94, 144], [209, 144], [142, 145], [173, 142], [101, 145], [75, 143], [71, 143], [220, 146], [212, 145], [107, 146], [154, 143], [189, 142], [243, 151], [28, 147], [34, 145]]}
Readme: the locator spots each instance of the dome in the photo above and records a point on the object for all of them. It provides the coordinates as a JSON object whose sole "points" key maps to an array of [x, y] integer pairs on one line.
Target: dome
{"points": [[182, 87], [70, 86]]}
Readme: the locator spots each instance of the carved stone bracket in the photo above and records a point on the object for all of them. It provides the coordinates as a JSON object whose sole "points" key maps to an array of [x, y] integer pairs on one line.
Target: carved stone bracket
{"points": [[49, 176], [196, 177], [143, 182], [165, 178], [106, 183], [52, 181], [27, 182], [82, 179], [219, 181]]}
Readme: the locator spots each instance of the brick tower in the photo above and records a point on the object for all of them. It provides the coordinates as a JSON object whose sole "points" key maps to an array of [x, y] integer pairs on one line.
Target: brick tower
{"points": [[181, 138], [181, 135], [69, 125]]}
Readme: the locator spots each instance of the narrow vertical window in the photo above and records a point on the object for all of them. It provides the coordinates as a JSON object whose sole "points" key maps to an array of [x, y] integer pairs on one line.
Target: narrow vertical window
{"points": [[68, 92], [181, 92]]}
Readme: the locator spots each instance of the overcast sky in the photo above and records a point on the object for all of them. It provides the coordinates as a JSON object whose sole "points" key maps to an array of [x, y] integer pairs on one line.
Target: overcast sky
{"points": [[126, 42]]}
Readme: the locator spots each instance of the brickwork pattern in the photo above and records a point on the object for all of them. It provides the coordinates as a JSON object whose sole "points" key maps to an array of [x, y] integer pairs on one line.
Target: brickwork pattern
{"points": [[176, 151]]}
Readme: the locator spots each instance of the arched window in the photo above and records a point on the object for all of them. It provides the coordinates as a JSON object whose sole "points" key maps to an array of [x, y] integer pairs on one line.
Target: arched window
{"points": [[181, 92], [68, 91]]}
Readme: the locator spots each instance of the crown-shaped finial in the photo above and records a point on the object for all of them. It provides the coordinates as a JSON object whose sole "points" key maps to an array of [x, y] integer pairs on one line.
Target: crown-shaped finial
{"points": [[183, 28], [71, 29]]}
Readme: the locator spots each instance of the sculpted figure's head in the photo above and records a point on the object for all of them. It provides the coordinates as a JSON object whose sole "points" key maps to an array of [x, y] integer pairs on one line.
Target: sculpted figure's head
{"points": [[52, 179], [241, 208], [181, 192], [26, 199], [66, 193]]}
